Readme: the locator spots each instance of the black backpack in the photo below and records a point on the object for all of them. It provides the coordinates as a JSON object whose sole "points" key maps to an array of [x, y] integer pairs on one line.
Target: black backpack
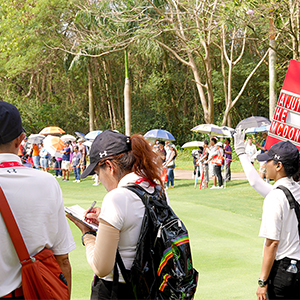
{"points": [[162, 268]]}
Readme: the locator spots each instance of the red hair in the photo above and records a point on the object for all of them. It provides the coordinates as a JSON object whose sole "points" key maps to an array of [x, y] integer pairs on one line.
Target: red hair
{"points": [[140, 159]]}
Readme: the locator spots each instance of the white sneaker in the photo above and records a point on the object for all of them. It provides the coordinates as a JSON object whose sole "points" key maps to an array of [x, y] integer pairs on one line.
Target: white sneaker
{"points": [[220, 187], [78, 181], [58, 176], [96, 183], [75, 180], [214, 187]]}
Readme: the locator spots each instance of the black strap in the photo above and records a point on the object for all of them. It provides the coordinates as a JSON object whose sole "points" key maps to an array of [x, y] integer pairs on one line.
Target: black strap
{"points": [[137, 189], [114, 290], [293, 203], [124, 271]]}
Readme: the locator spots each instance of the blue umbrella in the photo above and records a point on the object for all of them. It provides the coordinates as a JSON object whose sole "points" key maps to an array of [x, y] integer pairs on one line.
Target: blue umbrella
{"points": [[159, 134], [80, 135], [92, 134]]}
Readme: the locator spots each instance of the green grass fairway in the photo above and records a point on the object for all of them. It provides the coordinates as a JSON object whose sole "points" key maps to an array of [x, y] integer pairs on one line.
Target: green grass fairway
{"points": [[223, 227]]}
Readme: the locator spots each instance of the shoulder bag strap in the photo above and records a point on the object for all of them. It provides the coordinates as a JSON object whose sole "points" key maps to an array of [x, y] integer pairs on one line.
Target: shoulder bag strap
{"points": [[13, 228], [292, 202]]}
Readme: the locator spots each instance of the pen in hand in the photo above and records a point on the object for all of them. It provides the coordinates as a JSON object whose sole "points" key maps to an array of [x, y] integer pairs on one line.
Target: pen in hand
{"points": [[90, 209]]}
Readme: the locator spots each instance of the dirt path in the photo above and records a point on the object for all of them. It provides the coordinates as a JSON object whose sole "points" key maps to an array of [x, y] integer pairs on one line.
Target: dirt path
{"points": [[187, 174]]}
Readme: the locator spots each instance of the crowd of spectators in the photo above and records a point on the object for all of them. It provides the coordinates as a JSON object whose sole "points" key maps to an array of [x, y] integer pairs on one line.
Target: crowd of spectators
{"points": [[72, 158]]}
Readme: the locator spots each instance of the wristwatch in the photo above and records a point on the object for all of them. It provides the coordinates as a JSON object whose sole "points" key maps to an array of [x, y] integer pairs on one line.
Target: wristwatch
{"points": [[262, 283], [88, 232]]}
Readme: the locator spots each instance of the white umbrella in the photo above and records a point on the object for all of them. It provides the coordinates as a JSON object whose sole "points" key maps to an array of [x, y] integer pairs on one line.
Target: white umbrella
{"points": [[68, 137], [92, 134], [35, 138], [212, 129], [193, 144], [88, 143], [258, 129], [254, 121]]}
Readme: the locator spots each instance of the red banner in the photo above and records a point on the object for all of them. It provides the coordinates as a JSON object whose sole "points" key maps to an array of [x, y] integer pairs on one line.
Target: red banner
{"points": [[286, 120]]}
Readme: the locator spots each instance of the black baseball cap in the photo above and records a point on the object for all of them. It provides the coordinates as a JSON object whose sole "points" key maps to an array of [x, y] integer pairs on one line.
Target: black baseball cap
{"points": [[108, 143], [10, 122], [281, 151]]}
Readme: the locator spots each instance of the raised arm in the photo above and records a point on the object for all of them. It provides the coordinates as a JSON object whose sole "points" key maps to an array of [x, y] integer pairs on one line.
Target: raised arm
{"points": [[252, 175]]}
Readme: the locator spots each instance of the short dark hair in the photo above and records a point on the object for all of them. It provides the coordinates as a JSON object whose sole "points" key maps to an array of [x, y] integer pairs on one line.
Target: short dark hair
{"points": [[205, 142], [228, 139], [291, 168], [214, 140]]}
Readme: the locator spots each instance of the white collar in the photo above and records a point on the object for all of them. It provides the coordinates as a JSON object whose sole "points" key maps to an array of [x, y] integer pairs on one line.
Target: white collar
{"points": [[7, 157], [284, 181]]}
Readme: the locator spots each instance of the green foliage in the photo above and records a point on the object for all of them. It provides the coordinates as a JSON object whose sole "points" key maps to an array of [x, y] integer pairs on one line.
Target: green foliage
{"points": [[50, 85]]}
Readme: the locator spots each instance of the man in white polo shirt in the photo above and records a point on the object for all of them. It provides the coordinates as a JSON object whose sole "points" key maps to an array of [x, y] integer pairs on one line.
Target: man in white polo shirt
{"points": [[279, 225], [36, 201]]}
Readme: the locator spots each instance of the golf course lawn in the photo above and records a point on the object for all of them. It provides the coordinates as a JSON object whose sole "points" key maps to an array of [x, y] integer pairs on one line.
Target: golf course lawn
{"points": [[223, 227]]}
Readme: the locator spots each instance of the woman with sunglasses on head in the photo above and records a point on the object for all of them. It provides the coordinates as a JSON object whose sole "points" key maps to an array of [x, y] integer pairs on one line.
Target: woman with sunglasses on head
{"points": [[119, 161]]}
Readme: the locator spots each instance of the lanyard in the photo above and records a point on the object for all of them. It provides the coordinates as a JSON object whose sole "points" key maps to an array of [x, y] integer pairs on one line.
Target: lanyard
{"points": [[140, 180], [10, 164]]}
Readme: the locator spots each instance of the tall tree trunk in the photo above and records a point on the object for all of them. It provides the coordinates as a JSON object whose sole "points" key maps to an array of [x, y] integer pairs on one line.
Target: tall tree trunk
{"points": [[272, 68], [91, 98], [107, 96], [207, 115], [127, 98]]}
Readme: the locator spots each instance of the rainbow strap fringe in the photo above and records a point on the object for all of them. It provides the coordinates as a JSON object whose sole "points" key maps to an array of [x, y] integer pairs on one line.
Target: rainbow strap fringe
{"points": [[183, 239], [164, 283]]}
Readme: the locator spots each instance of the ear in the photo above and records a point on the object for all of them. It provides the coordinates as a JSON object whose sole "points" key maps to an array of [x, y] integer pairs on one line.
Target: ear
{"points": [[279, 166], [19, 140], [110, 166]]}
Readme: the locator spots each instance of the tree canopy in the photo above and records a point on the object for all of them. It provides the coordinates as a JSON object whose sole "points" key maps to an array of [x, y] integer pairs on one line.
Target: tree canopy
{"points": [[190, 62]]}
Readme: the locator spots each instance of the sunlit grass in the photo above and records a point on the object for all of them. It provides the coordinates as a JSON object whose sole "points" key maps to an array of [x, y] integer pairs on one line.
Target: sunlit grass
{"points": [[223, 227]]}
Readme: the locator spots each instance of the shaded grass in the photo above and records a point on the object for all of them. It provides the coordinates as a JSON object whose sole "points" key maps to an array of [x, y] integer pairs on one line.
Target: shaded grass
{"points": [[223, 227]]}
